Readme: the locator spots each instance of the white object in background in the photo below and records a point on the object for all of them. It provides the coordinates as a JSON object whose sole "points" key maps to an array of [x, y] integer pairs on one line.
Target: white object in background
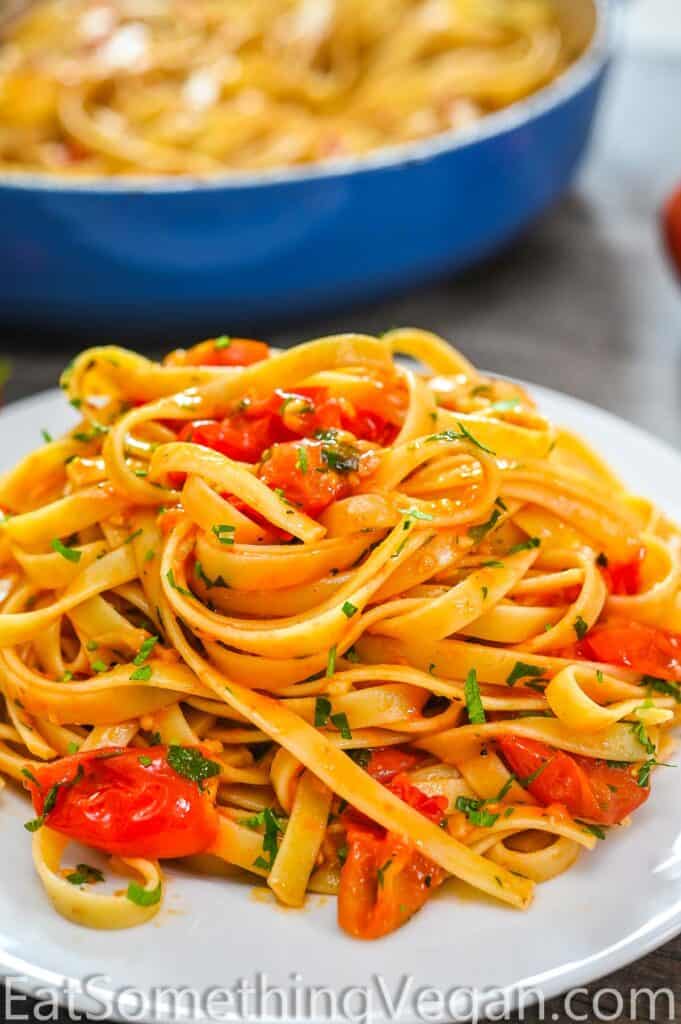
{"points": [[654, 26]]}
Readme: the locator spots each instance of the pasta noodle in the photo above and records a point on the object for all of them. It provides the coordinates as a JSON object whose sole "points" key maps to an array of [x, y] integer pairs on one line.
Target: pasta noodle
{"points": [[349, 623], [194, 87]]}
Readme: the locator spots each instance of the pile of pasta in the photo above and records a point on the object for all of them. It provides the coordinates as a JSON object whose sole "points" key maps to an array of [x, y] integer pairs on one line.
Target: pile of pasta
{"points": [[167, 87], [383, 619]]}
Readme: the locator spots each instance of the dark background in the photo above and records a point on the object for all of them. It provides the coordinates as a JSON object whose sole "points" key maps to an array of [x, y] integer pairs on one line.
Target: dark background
{"points": [[585, 303]]}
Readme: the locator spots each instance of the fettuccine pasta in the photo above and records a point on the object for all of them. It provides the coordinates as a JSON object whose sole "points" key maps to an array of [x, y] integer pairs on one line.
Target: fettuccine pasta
{"points": [[348, 623], [194, 87]]}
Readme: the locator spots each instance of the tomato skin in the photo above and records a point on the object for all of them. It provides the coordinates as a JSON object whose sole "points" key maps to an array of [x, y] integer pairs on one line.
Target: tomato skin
{"points": [[588, 788], [387, 762], [645, 649], [671, 224], [384, 880], [124, 807], [238, 352]]}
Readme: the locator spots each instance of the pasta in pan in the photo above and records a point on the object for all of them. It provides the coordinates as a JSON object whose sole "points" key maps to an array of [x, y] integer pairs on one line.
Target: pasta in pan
{"points": [[167, 87], [350, 624]]}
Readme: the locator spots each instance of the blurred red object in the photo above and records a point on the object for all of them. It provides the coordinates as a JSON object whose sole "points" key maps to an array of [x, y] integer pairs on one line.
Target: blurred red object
{"points": [[671, 223]]}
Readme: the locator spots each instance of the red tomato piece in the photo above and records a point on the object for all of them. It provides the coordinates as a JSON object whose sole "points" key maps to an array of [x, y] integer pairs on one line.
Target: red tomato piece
{"points": [[645, 649], [304, 472], [221, 352], [624, 578], [384, 880], [386, 762], [671, 224], [588, 788], [127, 802]]}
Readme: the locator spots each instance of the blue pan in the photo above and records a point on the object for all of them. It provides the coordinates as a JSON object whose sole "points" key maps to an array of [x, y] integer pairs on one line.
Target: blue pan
{"points": [[126, 258]]}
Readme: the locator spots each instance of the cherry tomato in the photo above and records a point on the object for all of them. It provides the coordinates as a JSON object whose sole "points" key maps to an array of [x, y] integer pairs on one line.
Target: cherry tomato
{"points": [[128, 802], [671, 224], [313, 474], [588, 788], [384, 880], [645, 649], [221, 352], [386, 762]]}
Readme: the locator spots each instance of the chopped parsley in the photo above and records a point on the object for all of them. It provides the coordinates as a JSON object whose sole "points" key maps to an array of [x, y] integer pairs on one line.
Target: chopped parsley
{"points": [[142, 674], [342, 457], [477, 533], [206, 580], [145, 650], [361, 756], [224, 532], [224, 341], [170, 576], [99, 666], [580, 627], [525, 545], [46, 436], [85, 875], [190, 762], [322, 710], [272, 825], [464, 434], [416, 513], [133, 536], [493, 565], [70, 554], [520, 670], [662, 686], [331, 661], [476, 712], [349, 609], [475, 811], [340, 720], [301, 458], [380, 873], [144, 897], [641, 734], [595, 830], [145, 761], [352, 655], [85, 437], [72, 748]]}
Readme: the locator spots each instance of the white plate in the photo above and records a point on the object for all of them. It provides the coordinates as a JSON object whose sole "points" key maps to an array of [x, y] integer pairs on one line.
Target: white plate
{"points": [[616, 904]]}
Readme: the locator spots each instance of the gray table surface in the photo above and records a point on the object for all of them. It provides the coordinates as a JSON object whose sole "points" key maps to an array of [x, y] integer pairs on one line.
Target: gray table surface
{"points": [[584, 303]]}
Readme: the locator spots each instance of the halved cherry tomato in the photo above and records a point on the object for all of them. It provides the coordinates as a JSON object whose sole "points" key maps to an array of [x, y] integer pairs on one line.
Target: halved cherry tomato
{"points": [[384, 880], [588, 788], [128, 802], [387, 762], [221, 352], [671, 224], [313, 474], [645, 649]]}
